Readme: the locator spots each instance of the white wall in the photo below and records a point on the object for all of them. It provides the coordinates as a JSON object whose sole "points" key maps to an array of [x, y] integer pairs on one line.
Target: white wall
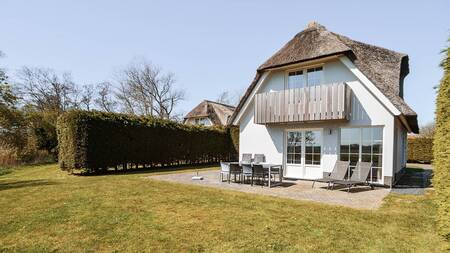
{"points": [[400, 146], [259, 139], [366, 111]]}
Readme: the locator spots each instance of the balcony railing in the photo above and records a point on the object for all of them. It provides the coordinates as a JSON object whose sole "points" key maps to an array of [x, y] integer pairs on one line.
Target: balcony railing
{"points": [[315, 103]]}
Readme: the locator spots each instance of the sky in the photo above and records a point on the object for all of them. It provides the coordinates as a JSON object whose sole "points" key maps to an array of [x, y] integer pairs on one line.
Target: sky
{"points": [[215, 46]]}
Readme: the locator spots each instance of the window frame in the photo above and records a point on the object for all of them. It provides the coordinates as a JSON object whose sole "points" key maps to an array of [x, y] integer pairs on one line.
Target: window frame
{"points": [[305, 74], [303, 146], [360, 149]]}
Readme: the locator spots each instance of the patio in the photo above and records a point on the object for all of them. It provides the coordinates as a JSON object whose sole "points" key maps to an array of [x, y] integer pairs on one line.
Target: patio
{"points": [[361, 197]]}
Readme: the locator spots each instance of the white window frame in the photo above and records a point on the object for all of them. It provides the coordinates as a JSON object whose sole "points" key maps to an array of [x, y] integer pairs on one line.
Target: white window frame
{"points": [[381, 179], [202, 121], [303, 149], [305, 74]]}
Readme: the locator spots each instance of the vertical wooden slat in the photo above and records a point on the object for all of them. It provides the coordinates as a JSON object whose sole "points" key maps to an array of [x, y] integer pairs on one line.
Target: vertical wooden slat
{"points": [[322, 102], [335, 101], [256, 110]]}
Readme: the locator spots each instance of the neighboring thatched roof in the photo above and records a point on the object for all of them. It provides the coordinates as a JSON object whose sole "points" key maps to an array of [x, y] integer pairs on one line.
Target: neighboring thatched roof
{"points": [[218, 113], [385, 68]]}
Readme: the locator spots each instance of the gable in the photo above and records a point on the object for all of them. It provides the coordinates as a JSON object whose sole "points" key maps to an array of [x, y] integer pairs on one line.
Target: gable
{"points": [[384, 68], [216, 112]]}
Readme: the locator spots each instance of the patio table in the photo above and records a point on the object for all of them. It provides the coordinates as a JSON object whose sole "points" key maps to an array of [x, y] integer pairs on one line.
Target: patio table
{"points": [[271, 171]]}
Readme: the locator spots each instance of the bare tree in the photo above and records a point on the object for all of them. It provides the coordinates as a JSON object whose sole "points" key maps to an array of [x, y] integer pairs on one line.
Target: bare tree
{"points": [[104, 98], [224, 97], [143, 89], [229, 98], [87, 96], [428, 130], [46, 90]]}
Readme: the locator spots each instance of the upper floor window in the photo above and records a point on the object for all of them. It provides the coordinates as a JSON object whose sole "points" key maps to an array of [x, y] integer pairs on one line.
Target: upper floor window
{"points": [[305, 77], [315, 76], [296, 79], [202, 121]]}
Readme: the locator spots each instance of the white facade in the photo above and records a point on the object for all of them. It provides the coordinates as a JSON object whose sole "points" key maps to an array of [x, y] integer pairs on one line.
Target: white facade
{"points": [[369, 109]]}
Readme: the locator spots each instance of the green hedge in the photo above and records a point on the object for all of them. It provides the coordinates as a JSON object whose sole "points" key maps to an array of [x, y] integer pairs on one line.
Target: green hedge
{"points": [[234, 135], [420, 150], [99, 140], [441, 149]]}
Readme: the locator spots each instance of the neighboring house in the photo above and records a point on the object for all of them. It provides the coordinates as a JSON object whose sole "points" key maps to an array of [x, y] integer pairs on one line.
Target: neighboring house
{"points": [[209, 113], [324, 97]]}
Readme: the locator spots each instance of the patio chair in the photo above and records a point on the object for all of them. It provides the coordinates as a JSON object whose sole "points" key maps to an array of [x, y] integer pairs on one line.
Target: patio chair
{"points": [[246, 158], [259, 158], [259, 172], [224, 170], [236, 171], [338, 173], [359, 176], [247, 172]]}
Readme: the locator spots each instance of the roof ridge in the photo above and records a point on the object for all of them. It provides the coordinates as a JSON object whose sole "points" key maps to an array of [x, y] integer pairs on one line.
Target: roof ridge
{"points": [[340, 36], [219, 103]]}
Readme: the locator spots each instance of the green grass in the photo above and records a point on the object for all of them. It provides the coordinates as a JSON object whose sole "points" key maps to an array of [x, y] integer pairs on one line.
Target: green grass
{"points": [[43, 209]]}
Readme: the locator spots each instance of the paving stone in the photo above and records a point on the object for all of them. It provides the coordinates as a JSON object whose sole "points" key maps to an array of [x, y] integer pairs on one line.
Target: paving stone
{"points": [[360, 197]]}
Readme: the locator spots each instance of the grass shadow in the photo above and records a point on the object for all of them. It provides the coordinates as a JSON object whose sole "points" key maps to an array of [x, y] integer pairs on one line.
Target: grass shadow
{"points": [[5, 171], [6, 185], [147, 170]]}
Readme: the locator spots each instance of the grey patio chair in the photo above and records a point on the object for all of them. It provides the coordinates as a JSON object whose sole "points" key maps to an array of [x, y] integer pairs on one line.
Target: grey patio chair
{"points": [[359, 176], [246, 158], [259, 158], [224, 170], [236, 171], [259, 173], [338, 173]]}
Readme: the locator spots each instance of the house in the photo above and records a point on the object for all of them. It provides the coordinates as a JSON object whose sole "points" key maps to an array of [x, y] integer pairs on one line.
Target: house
{"points": [[209, 113], [324, 97]]}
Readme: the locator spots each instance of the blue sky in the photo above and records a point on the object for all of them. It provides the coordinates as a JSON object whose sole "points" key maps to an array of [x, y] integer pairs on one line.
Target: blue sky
{"points": [[213, 46]]}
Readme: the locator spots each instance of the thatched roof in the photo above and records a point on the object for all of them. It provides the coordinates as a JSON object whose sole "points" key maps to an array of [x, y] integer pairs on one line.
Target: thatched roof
{"points": [[218, 113], [385, 68]]}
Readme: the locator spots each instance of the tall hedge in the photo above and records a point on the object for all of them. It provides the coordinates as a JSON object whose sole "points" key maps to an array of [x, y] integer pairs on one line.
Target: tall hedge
{"points": [[420, 150], [441, 149], [99, 140]]}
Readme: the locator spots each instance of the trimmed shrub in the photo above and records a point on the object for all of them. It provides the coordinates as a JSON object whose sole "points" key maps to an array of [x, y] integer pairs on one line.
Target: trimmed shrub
{"points": [[234, 135], [99, 140], [441, 149], [420, 150]]}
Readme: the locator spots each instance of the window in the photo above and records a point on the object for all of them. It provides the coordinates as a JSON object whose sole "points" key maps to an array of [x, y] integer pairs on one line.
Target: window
{"points": [[296, 80], [363, 144], [308, 143], [305, 77], [294, 148], [312, 147], [202, 121], [315, 76]]}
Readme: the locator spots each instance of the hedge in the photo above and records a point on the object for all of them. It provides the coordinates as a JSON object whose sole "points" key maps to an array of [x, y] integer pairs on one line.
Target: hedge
{"points": [[98, 140], [420, 150], [441, 149]]}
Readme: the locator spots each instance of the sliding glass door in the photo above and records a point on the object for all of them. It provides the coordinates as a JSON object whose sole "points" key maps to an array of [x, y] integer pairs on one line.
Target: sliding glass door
{"points": [[363, 144]]}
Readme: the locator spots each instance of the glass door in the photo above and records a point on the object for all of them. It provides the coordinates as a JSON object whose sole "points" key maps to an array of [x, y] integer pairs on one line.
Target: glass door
{"points": [[294, 158], [303, 154], [363, 144]]}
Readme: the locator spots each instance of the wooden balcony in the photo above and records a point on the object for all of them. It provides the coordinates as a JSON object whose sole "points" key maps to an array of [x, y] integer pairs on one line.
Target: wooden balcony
{"points": [[315, 103]]}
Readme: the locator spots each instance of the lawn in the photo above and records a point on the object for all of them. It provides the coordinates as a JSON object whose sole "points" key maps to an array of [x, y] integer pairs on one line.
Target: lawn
{"points": [[44, 209]]}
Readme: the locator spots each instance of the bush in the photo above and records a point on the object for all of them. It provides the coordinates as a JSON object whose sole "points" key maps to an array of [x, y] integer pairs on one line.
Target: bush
{"points": [[420, 150], [234, 135], [99, 140], [441, 179]]}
